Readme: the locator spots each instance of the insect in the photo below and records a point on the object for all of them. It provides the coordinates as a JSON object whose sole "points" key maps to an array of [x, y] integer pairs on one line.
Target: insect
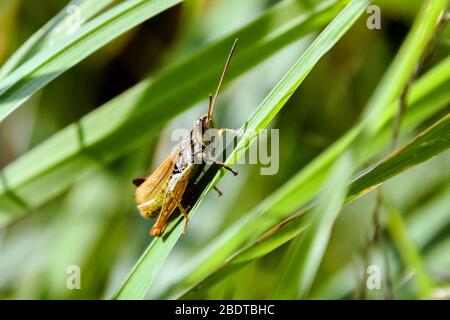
{"points": [[164, 190]]}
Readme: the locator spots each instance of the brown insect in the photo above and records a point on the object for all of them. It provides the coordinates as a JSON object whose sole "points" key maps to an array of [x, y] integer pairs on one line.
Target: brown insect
{"points": [[165, 189]]}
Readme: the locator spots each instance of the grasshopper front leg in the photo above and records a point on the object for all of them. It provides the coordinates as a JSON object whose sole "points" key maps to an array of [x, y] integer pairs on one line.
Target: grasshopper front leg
{"points": [[203, 157]]}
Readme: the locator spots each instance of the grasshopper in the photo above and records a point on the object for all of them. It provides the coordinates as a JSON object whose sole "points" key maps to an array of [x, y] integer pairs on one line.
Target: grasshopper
{"points": [[164, 190]]}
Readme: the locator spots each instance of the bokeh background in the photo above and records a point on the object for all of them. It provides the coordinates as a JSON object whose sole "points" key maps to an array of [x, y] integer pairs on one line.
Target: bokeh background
{"points": [[95, 224]]}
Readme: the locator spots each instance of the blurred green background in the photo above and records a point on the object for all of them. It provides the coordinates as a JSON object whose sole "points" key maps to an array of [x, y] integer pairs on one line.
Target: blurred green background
{"points": [[95, 224]]}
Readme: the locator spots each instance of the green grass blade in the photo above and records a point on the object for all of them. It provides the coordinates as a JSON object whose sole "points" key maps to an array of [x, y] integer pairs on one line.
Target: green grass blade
{"points": [[404, 63], [52, 31], [299, 190], [34, 74], [430, 143], [428, 220], [126, 122], [303, 187], [431, 219], [410, 255], [139, 280], [302, 259], [297, 276]]}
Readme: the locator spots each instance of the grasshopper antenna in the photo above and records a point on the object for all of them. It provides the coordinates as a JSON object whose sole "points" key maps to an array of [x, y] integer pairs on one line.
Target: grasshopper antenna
{"points": [[212, 101]]}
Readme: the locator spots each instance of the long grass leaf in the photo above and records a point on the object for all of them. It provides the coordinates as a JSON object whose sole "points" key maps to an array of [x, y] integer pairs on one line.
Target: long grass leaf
{"points": [[126, 122], [141, 277], [430, 143], [390, 87], [35, 73], [303, 257], [57, 28], [299, 190], [431, 219], [406, 60]]}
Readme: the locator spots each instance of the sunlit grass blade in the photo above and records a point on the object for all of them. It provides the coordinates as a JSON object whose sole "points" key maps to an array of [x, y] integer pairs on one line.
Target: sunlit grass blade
{"points": [[126, 122], [411, 257], [52, 31], [304, 186], [302, 259], [144, 272], [42, 68], [430, 143], [406, 60], [424, 225], [429, 219]]}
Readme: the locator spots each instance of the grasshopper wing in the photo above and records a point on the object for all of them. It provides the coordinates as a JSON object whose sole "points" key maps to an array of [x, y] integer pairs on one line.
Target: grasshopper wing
{"points": [[173, 198], [150, 194]]}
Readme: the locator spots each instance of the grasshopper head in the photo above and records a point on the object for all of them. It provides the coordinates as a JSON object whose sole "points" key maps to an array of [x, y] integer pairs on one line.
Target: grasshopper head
{"points": [[206, 123], [201, 126]]}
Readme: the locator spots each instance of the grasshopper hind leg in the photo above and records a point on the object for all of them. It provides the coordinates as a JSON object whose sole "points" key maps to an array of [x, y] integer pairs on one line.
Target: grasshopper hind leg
{"points": [[158, 231], [185, 215]]}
